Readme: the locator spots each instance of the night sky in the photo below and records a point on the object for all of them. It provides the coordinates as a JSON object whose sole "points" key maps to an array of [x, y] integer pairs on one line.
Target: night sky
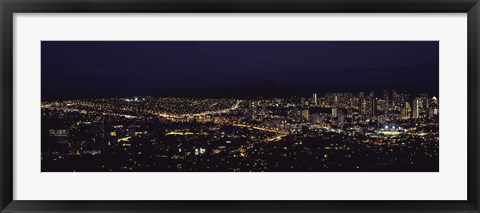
{"points": [[117, 68]]}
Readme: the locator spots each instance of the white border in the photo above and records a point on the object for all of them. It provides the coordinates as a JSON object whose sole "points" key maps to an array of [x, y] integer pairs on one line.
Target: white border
{"points": [[448, 184]]}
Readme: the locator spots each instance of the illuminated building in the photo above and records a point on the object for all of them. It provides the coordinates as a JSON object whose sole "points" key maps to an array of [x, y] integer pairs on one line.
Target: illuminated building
{"points": [[361, 102], [416, 108], [423, 110], [361, 95], [373, 105], [385, 104], [305, 113], [58, 132], [394, 98], [434, 100], [334, 112], [404, 113], [363, 107], [433, 107], [341, 120]]}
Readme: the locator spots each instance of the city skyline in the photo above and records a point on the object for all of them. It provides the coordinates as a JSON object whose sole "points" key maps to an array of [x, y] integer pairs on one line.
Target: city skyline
{"points": [[329, 133], [240, 106]]}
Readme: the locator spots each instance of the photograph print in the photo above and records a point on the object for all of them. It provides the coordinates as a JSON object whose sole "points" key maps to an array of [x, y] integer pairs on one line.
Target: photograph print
{"points": [[240, 106]]}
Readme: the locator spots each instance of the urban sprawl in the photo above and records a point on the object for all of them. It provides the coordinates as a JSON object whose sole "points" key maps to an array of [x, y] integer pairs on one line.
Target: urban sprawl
{"points": [[335, 132]]}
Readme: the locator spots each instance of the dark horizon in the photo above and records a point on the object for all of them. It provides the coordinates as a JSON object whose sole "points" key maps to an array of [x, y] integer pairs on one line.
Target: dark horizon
{"points": [[82, 69], [411, 89]]}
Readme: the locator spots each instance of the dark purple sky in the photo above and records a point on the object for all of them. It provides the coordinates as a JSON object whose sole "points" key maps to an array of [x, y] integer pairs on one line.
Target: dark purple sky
{"points": [[132, 67]]}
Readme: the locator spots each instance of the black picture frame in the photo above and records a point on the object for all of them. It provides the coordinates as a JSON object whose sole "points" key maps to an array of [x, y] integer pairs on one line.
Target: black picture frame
{"points": [[9, 7]]}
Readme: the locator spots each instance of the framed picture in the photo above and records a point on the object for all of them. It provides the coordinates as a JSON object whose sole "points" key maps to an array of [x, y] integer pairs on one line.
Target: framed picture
{"points": [[241, 106]]}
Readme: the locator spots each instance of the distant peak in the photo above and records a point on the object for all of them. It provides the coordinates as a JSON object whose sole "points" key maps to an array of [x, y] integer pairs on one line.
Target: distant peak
{"points": [[268, 83]]}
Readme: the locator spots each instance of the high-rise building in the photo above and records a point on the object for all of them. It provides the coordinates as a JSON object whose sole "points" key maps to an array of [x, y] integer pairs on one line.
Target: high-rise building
{"points": [[373, 105], [434, 100], [385, 95], [385, 104], [395, 100], [423, 111], [315, 100], [334, 112], [416, 105], [405, 111], [432, 107], [361, 102], [363, 107], [305, 114], [361, 95]]}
